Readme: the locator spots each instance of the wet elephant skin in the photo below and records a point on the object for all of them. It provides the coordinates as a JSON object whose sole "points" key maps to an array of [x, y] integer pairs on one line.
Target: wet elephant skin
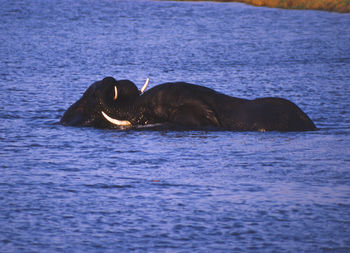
{"points": [[119, 104]]}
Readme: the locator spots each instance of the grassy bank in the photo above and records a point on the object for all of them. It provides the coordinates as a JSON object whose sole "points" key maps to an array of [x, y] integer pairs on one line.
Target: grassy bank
{"points": [[326, 5]]}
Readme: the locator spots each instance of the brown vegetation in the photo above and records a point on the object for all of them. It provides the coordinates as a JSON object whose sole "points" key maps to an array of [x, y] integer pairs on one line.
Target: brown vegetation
{"points": [[327, 5]]}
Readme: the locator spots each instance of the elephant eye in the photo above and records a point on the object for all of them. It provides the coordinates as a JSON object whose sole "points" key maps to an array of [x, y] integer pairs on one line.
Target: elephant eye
{"points": [[115, 93]]}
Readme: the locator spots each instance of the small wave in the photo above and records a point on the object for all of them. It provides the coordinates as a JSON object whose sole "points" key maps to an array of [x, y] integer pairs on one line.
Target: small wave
{"points": [[107, 186]]}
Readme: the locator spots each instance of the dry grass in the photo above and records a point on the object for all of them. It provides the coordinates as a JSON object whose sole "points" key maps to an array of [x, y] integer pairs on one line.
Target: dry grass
{"points": [[327, 5]]}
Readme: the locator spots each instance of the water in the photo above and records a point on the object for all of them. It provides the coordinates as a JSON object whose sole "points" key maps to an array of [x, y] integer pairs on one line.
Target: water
{"points": [[66, 189]]}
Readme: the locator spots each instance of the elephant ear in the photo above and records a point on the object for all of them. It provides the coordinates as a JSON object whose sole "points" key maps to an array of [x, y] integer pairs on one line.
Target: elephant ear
{"points": [[194, 113]]}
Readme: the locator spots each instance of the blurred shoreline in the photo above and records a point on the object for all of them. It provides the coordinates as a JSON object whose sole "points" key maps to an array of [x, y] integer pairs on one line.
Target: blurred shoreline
{"points": [[342, 6]]}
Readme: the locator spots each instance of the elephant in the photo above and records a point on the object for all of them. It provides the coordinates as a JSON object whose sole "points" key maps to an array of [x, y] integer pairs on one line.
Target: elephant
{"points": [[120, 104]]}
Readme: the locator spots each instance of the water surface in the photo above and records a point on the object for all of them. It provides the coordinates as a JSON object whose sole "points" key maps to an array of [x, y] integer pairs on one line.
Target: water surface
{"points": [[66, 189]]}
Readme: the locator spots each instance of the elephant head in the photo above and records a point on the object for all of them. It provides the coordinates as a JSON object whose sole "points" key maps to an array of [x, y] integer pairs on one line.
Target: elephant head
{"points": [[103, 102]]}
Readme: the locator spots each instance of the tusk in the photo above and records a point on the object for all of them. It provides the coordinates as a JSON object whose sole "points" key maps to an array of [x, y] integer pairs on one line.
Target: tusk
{"points": [[115, 121], [115, 93], [145, 85]]}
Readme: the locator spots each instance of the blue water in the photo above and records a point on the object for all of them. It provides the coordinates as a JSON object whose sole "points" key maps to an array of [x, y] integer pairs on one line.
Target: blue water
{"points": [[67, 189]]}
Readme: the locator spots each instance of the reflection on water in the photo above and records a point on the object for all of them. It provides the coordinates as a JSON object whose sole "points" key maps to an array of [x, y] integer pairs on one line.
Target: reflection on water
{"points": [[84, 189]]}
